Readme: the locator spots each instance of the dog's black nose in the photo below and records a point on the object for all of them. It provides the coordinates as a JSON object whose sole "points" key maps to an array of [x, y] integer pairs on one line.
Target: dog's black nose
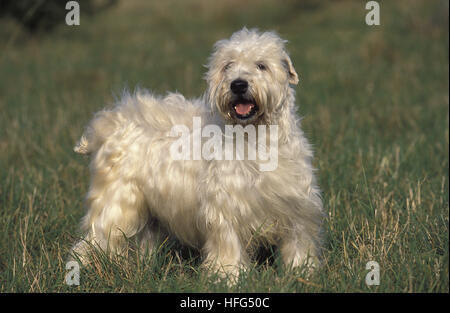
{"points": [[239, 86]]}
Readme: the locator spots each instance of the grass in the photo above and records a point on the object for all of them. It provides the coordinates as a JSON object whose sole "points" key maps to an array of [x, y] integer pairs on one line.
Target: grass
{"points": [[375, 104]]}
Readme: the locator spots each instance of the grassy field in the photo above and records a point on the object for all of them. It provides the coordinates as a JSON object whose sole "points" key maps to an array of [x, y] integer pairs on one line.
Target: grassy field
{"points": [[375, 102]]}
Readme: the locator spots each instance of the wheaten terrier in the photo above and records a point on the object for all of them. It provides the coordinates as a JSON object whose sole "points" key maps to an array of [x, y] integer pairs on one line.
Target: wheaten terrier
{"points": [[224, 203]]}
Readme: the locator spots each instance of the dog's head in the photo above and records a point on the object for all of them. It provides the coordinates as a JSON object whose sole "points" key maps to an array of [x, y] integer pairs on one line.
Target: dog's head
{"points": [[249, 76]]}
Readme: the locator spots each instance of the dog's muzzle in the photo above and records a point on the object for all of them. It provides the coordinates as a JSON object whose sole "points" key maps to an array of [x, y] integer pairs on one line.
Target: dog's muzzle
{"points": [[243, 106]]}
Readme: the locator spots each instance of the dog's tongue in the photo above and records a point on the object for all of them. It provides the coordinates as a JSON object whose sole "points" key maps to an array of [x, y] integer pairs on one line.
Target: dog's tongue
{"points": [[243, 108]]}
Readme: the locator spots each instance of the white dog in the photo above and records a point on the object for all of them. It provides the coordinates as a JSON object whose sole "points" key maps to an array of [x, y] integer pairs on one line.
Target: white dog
{"points": [[224, 207]]}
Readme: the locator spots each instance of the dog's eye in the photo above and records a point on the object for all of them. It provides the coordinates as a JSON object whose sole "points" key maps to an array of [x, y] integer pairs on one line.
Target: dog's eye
{"points": [[226, 67], [261, 66]]}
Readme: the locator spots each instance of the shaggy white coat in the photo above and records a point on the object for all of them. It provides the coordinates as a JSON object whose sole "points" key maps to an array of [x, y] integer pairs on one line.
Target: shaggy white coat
{"points": [[224, 208]]}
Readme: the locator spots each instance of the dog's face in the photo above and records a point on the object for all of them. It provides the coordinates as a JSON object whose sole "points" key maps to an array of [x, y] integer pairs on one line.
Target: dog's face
{"points": [[249, 76]]}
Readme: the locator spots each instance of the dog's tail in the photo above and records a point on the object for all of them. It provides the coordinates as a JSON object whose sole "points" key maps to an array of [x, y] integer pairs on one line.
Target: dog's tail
{"points": [[102, 126], [82, 146]]}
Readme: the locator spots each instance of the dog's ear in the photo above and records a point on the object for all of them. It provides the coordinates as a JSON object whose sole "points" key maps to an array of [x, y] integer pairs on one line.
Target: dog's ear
{"points": [[287, 63]]}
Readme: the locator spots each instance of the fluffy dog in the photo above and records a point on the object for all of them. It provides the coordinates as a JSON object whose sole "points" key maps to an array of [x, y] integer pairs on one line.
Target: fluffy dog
{"points": [[226, 208]]}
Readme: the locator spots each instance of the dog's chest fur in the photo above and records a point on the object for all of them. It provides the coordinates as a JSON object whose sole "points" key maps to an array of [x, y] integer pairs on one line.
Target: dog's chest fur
{"points": [[188, 198]]}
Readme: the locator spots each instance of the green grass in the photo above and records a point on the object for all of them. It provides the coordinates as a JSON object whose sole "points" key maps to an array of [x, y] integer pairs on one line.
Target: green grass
{"points": [[375, 105]]}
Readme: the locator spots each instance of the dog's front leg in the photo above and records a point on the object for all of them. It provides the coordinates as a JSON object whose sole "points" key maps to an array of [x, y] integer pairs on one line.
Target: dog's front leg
{"points": [[223, 250], [301, 243], [300, 249]]}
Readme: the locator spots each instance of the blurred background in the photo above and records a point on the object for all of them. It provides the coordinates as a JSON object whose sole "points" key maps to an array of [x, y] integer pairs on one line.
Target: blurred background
{"points": [[374, 101]]}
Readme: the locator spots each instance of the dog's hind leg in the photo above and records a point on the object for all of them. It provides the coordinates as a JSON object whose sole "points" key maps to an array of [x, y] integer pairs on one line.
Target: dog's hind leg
{"points": [[148, 239], [116, 211]]}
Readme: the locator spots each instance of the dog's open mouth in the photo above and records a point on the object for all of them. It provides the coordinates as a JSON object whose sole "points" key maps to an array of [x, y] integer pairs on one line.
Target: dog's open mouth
{"points": [[244, 108]]}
